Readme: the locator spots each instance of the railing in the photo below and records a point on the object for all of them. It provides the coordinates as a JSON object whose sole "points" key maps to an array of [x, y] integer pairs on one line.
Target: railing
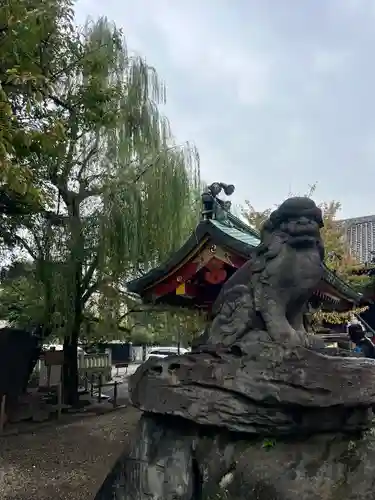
{"points": [[361, 320], [336, 340], [88, 364], [333, 337], [94, 385], [91, 361]]}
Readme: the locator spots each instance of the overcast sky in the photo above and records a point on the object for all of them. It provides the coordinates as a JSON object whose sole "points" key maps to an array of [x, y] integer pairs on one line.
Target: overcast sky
{"points": [[275, 94]]}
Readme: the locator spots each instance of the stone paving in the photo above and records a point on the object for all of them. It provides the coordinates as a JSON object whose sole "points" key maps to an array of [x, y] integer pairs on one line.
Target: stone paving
{"points": [[64, 462]]}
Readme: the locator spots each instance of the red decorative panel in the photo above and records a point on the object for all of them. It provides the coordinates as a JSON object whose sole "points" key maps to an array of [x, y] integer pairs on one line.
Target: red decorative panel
{"points": [[182, 275]]}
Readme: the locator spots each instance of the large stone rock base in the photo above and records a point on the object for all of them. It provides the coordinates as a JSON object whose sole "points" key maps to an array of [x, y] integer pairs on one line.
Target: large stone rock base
{"points": [[255, 421], [172, 460], [260, 388]]}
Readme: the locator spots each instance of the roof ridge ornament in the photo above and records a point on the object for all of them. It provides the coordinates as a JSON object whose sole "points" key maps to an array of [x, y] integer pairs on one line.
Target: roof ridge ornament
{"points": [[212, 206]]}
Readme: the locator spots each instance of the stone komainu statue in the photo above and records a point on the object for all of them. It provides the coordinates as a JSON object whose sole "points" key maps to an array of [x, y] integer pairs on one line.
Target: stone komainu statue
{"points": [[270, 292], [255, 376]]}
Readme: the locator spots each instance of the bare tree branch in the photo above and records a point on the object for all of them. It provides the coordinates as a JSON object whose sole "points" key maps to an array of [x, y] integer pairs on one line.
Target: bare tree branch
{"points": [[7, 236], [69, 159], [97, 320], [37, 241], [90, 272], [88, 193], [83, 164]]}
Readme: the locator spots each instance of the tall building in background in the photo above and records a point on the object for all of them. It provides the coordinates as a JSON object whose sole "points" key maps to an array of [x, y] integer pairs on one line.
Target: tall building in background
{"points": [[360, 235]]}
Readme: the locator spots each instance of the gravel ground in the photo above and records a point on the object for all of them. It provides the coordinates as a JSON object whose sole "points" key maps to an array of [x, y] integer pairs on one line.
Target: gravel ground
{"points": [[64, 462]]}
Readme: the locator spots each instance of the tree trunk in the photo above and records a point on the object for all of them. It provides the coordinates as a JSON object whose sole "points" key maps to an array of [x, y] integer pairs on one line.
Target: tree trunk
{"points": [[70, 373], [70, 369]]}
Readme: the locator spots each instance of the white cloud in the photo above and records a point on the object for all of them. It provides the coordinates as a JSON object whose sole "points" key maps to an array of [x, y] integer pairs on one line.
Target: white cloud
{"points": [[352, 11], [325, 61], [346, 9], [248, 73], [367, 153], [200, 47]]}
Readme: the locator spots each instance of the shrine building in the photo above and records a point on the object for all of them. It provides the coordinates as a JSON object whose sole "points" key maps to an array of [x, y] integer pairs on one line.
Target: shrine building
{"points": [[221, 243]]}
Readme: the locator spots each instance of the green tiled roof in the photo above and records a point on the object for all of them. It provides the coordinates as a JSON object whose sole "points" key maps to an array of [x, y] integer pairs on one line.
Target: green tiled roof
{"points": [[238, 230], [232, 232], [247, 238], [338, 283]]}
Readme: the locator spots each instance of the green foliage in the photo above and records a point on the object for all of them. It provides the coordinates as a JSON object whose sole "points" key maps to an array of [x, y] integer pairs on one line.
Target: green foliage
{"points": [[93, 188], [337, 256], [268, 444], [162, 201], [118, 193], [166, 327], [256, 219], [34, 37], [360, 283], [140, 323], [21, 302]]}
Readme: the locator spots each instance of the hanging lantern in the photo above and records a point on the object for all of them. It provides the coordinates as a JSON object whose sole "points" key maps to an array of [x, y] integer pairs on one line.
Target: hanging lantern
{"points": [[214, 264], [215, 276]]}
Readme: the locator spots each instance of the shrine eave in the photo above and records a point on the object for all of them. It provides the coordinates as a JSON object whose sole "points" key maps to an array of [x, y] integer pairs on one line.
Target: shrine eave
{"points": [[239, 242], [344, 290]]}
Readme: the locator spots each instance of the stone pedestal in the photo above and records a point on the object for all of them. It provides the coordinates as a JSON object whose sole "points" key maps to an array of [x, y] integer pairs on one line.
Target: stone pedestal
{"points": [[172, 460]]}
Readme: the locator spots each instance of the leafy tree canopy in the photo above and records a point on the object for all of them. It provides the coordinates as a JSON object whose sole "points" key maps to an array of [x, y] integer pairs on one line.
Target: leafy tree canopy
{"points": [[338, 257], [34, 40]]}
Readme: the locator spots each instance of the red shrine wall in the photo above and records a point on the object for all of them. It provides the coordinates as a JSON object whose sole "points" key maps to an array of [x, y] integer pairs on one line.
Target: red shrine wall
{"points": [[211, 259], [214, 262]]}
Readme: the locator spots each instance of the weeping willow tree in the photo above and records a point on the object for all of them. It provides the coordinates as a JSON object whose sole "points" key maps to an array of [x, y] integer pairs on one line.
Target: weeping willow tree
{"points": [[120, 191]]}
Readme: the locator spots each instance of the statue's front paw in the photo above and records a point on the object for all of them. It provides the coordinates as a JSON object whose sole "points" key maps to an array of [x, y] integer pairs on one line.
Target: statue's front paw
{"points": [[294, 338], [303, 339]]}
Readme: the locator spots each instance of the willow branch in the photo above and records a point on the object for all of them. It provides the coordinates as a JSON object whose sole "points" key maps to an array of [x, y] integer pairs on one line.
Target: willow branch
{"points": [[147, 167]]}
